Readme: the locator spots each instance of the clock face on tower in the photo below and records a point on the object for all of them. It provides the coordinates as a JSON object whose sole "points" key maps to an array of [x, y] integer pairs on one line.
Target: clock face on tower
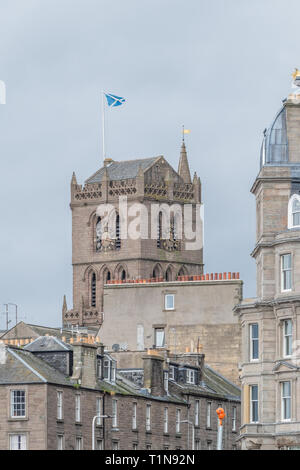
{"points": [[103, 240], [170, 244]]}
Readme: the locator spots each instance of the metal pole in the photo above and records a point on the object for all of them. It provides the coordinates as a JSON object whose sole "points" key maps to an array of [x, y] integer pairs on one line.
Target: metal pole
{"points": [[11, 303], [103, 125], [220, 436], [221, 415], [93, 427]]}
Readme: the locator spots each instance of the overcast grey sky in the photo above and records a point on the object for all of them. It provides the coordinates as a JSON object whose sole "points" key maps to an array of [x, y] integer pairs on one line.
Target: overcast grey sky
{"points": [[221, 67]]}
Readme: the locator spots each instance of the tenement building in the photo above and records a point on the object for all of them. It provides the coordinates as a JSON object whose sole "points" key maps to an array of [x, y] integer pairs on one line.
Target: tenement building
{"points": [[70, 395], [271, 322]]}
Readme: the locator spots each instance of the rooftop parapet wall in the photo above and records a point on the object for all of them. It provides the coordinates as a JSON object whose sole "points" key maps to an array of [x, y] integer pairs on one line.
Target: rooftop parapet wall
{"points": [[204, 277], [132, 188]]}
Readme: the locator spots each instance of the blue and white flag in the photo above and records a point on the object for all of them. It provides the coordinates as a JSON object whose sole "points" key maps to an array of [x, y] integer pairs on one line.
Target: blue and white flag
{"points": [[113, 100]]}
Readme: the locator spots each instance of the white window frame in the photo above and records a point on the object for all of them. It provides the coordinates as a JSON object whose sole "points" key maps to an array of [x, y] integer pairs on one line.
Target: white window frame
{"points": [[148, 418], [14, 404], [115, 445], [79, 443], [287, 338], [290, 211], [166, 381], [234, 418], [134, 416], [252, 401], [208, 415], [59, 411], [114, 405], [284, 270], [171, 296], [163, 343], [178, 420], [99, 411], [106, 367], [197, 410], [77, 408], [252, 339], [60, 442], [166, 420], [21, 443], [190, 376], [172, 372], [99, 444], [284, 399]]}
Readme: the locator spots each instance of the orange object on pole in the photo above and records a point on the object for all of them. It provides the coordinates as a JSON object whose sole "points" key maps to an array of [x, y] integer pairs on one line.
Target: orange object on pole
{"points": [[221, 415]]}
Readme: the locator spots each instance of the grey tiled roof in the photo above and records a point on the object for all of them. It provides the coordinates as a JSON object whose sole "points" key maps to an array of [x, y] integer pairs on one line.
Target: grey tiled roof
{"points": [[220, 384], [47, 343], [122, 170], [23, 367]]}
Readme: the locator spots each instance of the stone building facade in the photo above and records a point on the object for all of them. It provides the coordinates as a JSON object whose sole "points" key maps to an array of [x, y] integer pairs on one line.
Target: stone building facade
{"points": [[99, 257], [198, 317], [49, 406], [271, 322]]}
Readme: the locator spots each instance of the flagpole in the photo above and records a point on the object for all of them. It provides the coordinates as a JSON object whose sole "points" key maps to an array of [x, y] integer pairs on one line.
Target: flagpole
{"points": [[103, 126]]}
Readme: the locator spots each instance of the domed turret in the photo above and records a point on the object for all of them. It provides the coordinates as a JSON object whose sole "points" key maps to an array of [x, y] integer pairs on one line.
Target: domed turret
{"points": [[274, 148]]}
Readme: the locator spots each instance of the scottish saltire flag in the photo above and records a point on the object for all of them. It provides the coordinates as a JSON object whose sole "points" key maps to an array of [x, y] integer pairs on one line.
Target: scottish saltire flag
{"points": [[113, 100]]}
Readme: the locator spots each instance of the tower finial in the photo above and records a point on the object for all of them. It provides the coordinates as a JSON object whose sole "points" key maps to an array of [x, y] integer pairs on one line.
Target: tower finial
{"points": [[183, 167]]}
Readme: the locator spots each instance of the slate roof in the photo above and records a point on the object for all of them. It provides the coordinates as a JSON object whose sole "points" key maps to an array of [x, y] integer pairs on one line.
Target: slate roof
{"points": [[213, 384], [122, 170], [23, 367], [38, 330], [47, 343]]}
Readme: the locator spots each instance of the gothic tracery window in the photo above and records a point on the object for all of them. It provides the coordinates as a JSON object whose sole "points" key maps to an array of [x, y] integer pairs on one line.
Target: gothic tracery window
{"points": [[98, 234], [93, 290]]}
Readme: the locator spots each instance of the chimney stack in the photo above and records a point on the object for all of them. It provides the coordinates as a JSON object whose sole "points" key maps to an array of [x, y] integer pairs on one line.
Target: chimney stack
{"points": [[154, 374], [85, 364]]}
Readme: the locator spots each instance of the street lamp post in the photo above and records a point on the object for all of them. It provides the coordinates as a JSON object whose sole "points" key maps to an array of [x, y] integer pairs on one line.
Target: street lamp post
{"points": [[93, 427], [193, 431], [221, 415]]}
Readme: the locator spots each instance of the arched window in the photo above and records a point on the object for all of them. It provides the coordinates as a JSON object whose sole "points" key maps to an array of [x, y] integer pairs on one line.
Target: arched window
{"points": [[106, 276], [168, 275], [123, 275], [294, 211], [159, 230], [118, 239], [98, 234], [182, 272], [93, 290], [157, 272]]}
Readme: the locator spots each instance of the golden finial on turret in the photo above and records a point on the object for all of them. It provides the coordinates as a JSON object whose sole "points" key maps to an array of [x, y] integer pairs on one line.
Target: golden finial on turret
{"points": [[296, 74]]}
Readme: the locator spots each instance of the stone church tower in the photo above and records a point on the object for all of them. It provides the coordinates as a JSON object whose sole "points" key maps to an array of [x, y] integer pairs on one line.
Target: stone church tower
{"points": [[98, 259], [271, 323]]}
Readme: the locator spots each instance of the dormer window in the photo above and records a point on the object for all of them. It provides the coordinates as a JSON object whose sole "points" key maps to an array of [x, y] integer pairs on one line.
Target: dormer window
{"points": [[190, 376], [109, 369], [294, 211], [172, 373]]}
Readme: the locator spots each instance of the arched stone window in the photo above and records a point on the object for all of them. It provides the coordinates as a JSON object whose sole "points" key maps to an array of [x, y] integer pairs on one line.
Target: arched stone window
{"points": [[118, 233], [98, 234], [121, 273], [182, 272], [159, 230], [93, 290], [106, 276], [294, 211], [169, 274], [157, 271]]}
